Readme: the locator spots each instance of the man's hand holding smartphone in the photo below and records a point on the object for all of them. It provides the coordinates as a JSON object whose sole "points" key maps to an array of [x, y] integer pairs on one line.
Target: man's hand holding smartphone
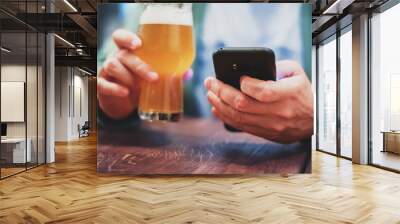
{"points": [[280, 111]]}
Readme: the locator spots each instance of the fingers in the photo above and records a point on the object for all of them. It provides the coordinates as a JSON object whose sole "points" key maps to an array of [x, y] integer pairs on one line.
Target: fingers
{"points": [[117, 77], [235, 115], [230, 95], [290, 75], [266, 117], [224, 108], [126, 62], [240, 101], [126, 40], [227, 120], [275, 110], [130, 41], [261, 132], [269, 91], [136, 66], [113, 68], [108, 88]]}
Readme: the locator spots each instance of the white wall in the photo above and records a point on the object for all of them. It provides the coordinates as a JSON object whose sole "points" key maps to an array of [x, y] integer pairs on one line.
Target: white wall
{"points": [[61, 103], [71, 94], [81, 104], [33, 127], [12, 73], [15, 72]]}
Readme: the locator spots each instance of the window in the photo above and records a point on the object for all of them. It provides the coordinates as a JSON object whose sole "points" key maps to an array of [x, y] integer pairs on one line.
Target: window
{"points": [[327, 96], [346, 93], [385, 89], [22, 75]]}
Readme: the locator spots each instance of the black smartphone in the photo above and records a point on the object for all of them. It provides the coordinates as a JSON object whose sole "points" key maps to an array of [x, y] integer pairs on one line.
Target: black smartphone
{"points": [[233, 62]]}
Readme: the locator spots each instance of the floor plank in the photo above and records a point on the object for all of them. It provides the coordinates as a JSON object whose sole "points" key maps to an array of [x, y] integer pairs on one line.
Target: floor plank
{"points": [[70, 191]]}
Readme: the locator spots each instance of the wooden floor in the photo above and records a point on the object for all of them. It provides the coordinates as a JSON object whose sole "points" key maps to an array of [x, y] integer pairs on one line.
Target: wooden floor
{"points": [[70, 191], [387, 159], [5, 172]]}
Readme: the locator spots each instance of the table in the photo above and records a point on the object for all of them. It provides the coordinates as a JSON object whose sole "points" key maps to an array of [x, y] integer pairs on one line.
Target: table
{"points": [[391, 141], [196, 146], [13, 150]]}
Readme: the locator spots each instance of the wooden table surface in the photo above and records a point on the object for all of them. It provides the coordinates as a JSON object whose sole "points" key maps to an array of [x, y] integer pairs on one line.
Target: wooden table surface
{"points": [[196, 146]]}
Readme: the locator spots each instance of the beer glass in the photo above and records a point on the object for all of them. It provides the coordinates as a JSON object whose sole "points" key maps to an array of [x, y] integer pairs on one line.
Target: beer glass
{"points": [[166, 31]]}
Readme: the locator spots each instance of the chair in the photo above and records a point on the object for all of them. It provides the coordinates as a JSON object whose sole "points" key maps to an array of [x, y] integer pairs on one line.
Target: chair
{"points": [[84, 130]]}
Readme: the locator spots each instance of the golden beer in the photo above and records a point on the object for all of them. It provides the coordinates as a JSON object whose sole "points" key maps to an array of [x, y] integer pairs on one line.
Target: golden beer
{"points": [[169, 50]]}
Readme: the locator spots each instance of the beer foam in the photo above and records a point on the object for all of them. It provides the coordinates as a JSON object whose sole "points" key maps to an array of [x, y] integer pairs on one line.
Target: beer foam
{"points": [[166, 13]]}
